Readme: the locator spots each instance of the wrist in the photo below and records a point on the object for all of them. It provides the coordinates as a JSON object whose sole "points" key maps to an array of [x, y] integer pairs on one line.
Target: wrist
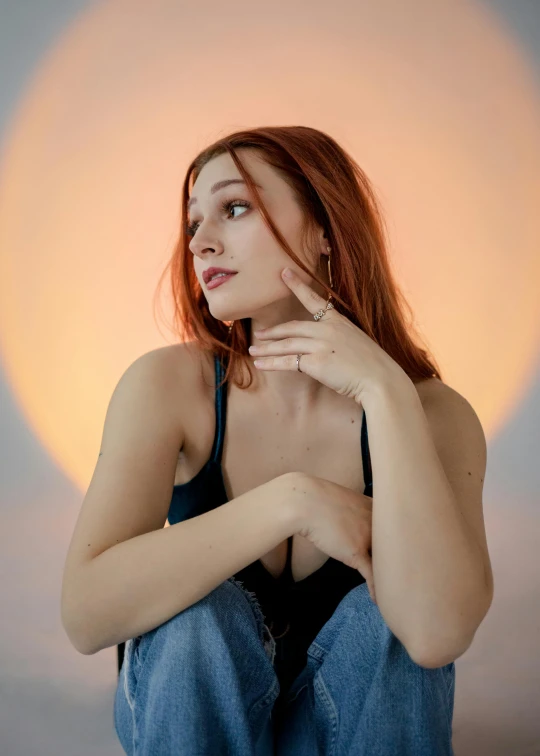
{"points": [[396, 383], [293, 492]]}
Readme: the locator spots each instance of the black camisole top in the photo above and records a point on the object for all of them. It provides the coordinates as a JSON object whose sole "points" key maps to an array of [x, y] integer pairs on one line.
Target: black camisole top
{"points": [[294, 611]]}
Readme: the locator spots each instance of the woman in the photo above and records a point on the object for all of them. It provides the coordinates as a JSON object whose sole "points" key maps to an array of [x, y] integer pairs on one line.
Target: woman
{"points": [[306, 618]]}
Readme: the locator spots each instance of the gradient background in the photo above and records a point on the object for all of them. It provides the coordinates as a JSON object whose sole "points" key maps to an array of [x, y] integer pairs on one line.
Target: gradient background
{"points": [[102, 105]]}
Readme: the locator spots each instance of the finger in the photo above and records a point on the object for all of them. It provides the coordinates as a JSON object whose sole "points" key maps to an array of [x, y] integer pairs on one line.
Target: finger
{"points": [[366, 570], [308, 296], [283, 346], [292, 328], [286, 362]]}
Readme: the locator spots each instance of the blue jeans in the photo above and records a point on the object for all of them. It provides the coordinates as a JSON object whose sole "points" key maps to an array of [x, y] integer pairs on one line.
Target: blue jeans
{"points": [[203, 684]]}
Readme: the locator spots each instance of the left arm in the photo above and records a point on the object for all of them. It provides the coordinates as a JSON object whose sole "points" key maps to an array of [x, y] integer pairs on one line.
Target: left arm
{"points": [[430, 562], [431, 567]]}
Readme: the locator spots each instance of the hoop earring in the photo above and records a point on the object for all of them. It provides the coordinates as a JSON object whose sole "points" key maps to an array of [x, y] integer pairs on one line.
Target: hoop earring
{"points": [[328, 249]]}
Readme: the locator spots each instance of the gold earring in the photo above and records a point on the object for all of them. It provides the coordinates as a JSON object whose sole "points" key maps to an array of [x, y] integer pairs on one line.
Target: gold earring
{"points": [[329, 249]]}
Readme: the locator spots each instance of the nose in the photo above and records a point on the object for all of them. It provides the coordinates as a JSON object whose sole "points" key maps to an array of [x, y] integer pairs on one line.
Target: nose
{"points": [[201, 249], [200, 246]]}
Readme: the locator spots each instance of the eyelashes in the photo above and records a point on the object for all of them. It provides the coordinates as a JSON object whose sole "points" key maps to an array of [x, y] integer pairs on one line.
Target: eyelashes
{"points": [[226, 206]]}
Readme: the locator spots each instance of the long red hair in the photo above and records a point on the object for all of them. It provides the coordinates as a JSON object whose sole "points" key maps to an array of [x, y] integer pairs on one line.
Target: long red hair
{"points": [[334, 192]]}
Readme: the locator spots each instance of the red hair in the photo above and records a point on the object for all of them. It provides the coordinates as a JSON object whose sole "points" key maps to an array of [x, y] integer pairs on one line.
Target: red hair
{"points": [[334, 192]]}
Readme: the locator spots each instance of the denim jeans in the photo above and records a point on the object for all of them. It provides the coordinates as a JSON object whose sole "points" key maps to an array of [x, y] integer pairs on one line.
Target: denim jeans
{"points": [[203, 684]]}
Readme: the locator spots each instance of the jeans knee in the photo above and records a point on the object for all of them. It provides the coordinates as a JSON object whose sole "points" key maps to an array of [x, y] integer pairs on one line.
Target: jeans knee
{"points": [[360, 599], [222, 608], [361, 617], [227, 616]]}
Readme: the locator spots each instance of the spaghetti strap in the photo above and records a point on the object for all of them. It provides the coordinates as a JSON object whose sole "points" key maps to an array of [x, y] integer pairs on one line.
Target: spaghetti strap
{"points": [[220, 403], [287, 572], [289, 550], [366, 458]]}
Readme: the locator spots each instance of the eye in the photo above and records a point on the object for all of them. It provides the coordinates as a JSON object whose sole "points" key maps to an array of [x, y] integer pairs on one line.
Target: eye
{"points": [[228, 205]]}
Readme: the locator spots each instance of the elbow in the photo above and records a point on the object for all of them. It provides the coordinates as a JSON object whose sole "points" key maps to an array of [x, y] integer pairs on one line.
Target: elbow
{"points": [[75, 627], [79, 644], [85, 650], [75, 616], [86, 636], [438, 653], [433, 654], [433, 658], [82, 643]]}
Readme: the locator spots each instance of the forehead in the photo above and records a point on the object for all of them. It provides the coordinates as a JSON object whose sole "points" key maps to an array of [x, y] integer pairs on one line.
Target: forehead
{"points": [[222, 168]]}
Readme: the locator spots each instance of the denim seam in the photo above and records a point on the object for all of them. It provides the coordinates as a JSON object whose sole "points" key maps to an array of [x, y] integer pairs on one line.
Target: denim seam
{"points": [[451, 680], [316, 651], [450, 688], [330, 708], [127, 669], [264, 700], [130, 702], [266, 636]]}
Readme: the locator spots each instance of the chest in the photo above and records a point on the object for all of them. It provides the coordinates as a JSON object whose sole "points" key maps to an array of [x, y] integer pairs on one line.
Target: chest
{"points": [[259, 445]]}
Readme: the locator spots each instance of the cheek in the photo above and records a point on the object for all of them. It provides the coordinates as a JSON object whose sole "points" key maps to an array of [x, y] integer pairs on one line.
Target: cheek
{"points": [[261, 254]]}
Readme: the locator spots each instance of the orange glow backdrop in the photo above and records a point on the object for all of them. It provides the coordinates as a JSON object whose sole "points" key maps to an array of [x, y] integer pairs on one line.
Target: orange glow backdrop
{"points": [[434, 100]]}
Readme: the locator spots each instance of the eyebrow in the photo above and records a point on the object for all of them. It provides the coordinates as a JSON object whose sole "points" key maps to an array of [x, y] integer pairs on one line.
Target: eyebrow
{"points": [[220, 185]]}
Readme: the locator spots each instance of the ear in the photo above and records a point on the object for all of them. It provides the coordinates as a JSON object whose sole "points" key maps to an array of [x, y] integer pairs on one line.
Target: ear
{"points": [[320, 240], [326, 247]]}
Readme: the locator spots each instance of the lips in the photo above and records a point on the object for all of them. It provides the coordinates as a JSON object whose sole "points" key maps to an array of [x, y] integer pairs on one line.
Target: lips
{"points": [[219, 280], [212, 271]]}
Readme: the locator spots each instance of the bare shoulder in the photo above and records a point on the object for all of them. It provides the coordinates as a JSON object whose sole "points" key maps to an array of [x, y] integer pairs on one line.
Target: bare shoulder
{"points": [[455, 426], [184, 359], [178, 371], [171, 367], [433, 391], [430, 389]]}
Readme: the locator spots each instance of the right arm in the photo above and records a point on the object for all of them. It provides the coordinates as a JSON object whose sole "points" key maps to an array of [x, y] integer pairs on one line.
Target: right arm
{"points": [[125, 573]]}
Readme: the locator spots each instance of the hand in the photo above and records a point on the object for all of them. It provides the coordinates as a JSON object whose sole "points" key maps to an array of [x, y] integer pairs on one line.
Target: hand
{"points": [[337, 521], [334, 351]]}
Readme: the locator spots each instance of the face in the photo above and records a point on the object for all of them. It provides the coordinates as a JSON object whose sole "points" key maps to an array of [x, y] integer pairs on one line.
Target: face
{"points": [[229, 232]]}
